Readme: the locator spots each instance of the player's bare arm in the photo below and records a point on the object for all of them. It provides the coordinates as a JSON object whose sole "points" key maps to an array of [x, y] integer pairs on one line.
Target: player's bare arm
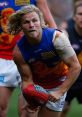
{"points": [[69, 57], [23, 67], [42, 4]]}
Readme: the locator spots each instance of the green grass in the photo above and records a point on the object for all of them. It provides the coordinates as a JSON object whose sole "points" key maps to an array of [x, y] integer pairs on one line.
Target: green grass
{"points": [[12, 112], [75, 110]]}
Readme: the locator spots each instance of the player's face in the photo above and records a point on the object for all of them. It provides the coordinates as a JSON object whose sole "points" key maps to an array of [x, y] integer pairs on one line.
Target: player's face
{"points": [[78, 17], [31, 25]]}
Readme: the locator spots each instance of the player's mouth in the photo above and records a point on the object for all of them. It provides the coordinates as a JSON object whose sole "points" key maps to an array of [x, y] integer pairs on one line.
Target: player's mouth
{"points": [[32, 31]]}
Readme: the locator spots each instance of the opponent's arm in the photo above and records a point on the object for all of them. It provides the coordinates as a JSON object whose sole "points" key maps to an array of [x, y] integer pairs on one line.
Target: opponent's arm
{"points": [[66, 52], [43, 6]]}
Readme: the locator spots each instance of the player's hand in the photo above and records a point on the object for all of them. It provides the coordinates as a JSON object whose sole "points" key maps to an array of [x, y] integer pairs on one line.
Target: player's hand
{"points": [[54, 96], [30, 108], [35, 96]]}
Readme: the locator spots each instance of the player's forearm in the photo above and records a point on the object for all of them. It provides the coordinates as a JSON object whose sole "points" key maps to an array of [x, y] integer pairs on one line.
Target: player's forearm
{"points": [[71, 78], [25, 83], [43, 6], [50, 20], [51, 23]]}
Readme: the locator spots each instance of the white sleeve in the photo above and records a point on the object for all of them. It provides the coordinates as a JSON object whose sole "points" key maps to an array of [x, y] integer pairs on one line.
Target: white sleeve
{"points": [[62, 45]]}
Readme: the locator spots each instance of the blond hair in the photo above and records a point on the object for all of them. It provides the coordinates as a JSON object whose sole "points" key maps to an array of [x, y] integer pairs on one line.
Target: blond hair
{"points": [[14, 25]]}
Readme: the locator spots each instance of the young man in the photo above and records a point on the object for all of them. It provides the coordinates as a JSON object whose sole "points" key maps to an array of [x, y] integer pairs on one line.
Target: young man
{"points": [[9, 78], [44, 57], [75, 37]]}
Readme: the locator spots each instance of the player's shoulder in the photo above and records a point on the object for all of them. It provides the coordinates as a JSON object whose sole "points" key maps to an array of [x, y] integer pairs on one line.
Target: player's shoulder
{"points": [[60, 38], [59, 33]]}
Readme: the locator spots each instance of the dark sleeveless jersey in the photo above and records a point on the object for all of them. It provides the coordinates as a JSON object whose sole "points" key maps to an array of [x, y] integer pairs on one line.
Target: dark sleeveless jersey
{"points": [[76, 41], [70, 23], [47, 68]]}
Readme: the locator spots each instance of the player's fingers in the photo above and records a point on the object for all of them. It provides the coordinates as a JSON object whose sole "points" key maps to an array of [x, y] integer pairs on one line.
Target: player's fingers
{"points": [[52, 99], [29, 108]]}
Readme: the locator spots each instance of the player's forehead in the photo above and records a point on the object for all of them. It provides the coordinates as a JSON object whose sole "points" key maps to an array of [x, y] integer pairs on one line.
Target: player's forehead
{"points": [[31, 15], [79, 9]]}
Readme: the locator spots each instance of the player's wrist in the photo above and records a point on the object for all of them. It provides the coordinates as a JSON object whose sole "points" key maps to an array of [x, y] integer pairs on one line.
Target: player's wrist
{"points": [[35, 93]]}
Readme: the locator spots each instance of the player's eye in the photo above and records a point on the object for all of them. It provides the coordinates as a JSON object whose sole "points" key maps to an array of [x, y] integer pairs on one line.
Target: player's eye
{"points": [[34, 20]]}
